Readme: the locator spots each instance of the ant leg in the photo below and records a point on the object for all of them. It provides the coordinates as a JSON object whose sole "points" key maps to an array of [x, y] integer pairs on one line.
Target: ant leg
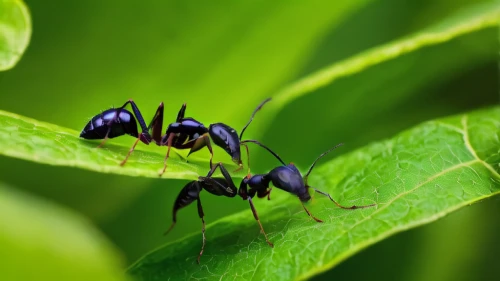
{"points": [[266, 148], [340, 206], [170, 228], [257, 218], [169, 144], [269, 193], [209, 147], [180, 115], [223, 170], [130, 152], [198, 144], [188, 194], [104, 140], [309, 213], [156, 125], [248, 159], [201, 214]]}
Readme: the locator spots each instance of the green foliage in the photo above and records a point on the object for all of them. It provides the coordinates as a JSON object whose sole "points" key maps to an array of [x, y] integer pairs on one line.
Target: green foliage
{"points": [[339, 71], [416, 177], [41, 241], [59, 146], [15, 32], [33, 140], [467, 21]]}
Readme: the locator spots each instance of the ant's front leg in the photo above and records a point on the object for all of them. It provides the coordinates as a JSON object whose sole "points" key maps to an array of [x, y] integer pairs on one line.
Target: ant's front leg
{"points": [[341, 206], [256, 216], [247, 194], [145, 137], [202, 215], [309, 213]]}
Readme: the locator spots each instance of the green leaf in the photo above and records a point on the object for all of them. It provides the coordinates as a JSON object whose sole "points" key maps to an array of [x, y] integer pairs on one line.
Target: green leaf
{"points": [[415, 178], [476, 17], [391, 87], [49, 149], [15, 32], [41, 142], [42, 241]]}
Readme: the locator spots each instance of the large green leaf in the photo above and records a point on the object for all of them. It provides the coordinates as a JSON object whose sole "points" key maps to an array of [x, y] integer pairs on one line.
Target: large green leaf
{"points": [[416, 177], [15, 32], [29, 139], [42, 241]]}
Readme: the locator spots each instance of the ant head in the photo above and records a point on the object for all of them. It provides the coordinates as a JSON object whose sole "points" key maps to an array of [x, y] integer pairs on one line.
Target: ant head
{"points": [[226, 138]]}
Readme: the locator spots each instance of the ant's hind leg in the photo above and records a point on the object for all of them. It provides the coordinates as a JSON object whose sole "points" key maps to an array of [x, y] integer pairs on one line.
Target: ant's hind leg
{"points": [[201, 214]]}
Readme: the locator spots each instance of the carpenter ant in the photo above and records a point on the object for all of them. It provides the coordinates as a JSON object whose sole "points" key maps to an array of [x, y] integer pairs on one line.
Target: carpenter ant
{"points": [[185, 133], [287, 178], [217, 186]]}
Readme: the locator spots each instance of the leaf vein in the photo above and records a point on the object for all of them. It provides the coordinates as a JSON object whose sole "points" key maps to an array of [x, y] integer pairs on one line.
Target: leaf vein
{"points": [[472, 150]]}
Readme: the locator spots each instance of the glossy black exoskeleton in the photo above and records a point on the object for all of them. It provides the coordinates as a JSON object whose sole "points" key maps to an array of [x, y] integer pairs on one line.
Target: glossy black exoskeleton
{"points": [[185, 133], [189, 133], [117, 122], [191, 192], [287, 178]]}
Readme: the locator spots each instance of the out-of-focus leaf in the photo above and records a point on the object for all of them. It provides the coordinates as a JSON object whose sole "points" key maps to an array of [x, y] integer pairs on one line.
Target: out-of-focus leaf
{"points": [[467, 21], [415, 178], [207, 54], [41, 142], [15, 32], [395, 93], [42, 241]]}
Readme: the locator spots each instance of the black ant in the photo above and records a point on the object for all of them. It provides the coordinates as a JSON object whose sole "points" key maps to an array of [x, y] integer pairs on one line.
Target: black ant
{"points": [[285, 177], [185, 133]]}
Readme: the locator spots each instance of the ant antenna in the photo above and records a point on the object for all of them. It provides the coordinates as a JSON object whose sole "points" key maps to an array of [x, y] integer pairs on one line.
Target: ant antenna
{"points": [[253, 114], [319, 157], [266, 148]]}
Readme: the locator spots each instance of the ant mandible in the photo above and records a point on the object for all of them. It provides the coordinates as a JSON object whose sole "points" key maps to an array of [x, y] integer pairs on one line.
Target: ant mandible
{"points": [[185, 133]]}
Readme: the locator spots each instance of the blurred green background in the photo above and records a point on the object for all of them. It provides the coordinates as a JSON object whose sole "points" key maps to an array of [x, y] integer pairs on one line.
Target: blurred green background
{"points": [[222, 59]]}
